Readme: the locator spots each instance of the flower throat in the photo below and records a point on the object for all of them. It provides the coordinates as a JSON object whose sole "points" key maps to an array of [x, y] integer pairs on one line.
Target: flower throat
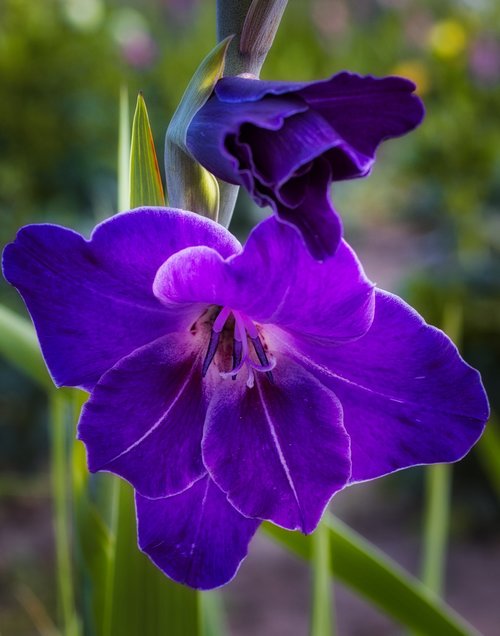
{"points": [[241, 332]]}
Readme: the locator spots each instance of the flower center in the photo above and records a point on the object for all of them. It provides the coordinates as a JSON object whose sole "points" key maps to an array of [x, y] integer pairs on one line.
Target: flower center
{"points": [[246, 343]]}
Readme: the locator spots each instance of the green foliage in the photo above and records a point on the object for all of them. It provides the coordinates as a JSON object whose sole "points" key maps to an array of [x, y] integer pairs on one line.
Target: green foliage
{"points": [[190, 186], [146, 187], [374, 576]]}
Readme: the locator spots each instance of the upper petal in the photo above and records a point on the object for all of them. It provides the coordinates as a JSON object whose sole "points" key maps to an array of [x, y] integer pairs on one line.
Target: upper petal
{"points": [[279, 450], [216, 125], [92, 301], [275, 280], [365, 110], [196, 538], [144, 420], [408, 397], [361, 110]]}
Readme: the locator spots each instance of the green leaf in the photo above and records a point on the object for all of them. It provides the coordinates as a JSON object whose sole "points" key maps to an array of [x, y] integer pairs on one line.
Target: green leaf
{"points": [[370, 573], [189, 185], [144, 600], [123, 152], [197, 93], [146, 187], [19, 345], [212, 611], [61, 427], [488, 448]]}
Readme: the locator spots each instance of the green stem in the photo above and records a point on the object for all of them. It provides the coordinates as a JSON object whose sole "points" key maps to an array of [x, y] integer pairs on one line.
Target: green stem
{"points": [[109, 586], [438, 488], [321, 620], [60, 474]]}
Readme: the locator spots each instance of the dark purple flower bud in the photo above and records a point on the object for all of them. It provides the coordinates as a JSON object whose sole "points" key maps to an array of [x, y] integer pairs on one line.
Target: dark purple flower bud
{"points": [[231, 385], [285, 142]]}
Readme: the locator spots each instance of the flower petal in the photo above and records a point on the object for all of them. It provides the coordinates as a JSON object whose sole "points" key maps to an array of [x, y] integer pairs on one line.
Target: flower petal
{"points": [[279, 450], [362, 111], [365, 110], [144, 419], [215, 126], [92, 301], [321, 231], [275, 280], [407, 395], [196, 538]]}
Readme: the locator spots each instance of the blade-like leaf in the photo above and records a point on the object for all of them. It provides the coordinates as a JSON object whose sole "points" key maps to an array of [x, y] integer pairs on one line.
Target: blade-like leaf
{"points": [[189, 185], [123, 152], [61, 429], [489, 452], [212, 610], [19, 345], [197, 93], [370, 573], [145, 601], [146, 187]]}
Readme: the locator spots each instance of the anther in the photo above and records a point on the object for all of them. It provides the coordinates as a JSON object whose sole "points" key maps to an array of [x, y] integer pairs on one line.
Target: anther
{"points": [[212, 349], [261, 355], [237, 351]]}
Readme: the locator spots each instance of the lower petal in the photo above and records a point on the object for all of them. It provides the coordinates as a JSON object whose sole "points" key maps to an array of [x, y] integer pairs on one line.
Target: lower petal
{"points": [[145, 417], [315, 218], [279, 450], [196, 538]]}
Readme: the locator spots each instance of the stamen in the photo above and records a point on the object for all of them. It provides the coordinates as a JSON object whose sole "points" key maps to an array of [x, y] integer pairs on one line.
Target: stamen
{"points": [[237, 349], [220, 321], [240, 337], [267, 366], [212, 349], [217, 328], [244, 329]]}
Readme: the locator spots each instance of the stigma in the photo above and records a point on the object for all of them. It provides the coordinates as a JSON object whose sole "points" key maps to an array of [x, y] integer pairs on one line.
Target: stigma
{"points": [[248, 350]]}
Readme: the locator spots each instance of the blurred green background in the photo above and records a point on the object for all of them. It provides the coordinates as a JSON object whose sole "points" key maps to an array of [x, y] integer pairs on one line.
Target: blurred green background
{"points": [[426, 223]]}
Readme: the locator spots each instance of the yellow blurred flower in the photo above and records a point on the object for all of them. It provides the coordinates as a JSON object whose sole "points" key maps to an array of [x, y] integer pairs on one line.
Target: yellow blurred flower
{"points": [[447, 38]]}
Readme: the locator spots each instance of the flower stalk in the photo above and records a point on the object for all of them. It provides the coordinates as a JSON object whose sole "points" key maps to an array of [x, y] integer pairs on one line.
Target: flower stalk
{"points": [[254, 24]]}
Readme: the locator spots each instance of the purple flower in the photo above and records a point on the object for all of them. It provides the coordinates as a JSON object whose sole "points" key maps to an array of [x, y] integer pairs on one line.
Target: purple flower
{"points": [[232, 385], [285, 142]]}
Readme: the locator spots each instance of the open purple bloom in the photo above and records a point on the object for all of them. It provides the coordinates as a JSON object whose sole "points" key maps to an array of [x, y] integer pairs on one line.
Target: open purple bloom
{"points": [[231, 385], [285, 142]]}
